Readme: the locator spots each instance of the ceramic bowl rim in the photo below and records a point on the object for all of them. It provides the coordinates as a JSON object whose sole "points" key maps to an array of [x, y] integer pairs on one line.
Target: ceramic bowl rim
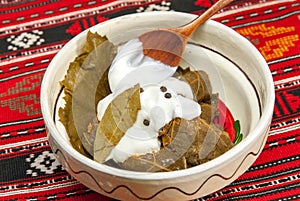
{"points": [[262, 124]]}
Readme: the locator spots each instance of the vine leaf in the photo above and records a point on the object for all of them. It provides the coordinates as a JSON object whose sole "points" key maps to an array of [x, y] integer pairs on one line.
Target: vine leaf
{"points": [[188, 143], [79, 84], [199, 82], [171, 157], [93, 40], [119, 116]]}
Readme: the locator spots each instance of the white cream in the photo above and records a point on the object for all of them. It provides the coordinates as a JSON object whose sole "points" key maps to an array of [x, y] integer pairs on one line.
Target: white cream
{"points": [[131, 67], [162, 99]]}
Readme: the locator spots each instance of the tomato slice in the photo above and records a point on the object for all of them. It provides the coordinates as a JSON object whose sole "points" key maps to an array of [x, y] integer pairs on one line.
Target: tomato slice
{"points": [[225, 119]]}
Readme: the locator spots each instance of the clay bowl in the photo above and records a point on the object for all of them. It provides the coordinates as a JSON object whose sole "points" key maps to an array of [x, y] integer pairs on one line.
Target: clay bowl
{"points": [[238, 72]]}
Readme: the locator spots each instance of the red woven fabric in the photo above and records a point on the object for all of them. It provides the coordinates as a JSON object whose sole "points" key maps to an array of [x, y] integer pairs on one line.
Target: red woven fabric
{"points": [[32, 32]]}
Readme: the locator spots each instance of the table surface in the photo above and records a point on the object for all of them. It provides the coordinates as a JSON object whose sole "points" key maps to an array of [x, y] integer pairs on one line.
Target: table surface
{"points": [[32, 32]]}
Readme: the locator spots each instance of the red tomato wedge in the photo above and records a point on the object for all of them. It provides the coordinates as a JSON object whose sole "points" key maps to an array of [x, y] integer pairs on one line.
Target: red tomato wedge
{"points": [[225, 119]]}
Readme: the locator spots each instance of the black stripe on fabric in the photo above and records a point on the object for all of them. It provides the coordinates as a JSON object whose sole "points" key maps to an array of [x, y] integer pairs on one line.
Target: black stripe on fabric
{"points": [[274, 163], [120, 13], [286, 103], [81, 24], [34, 164], [285, 121], [288, 198], [186, 6], [266, 177], [22, 121], [250, 194], [15, 152], [51, 35], [12, 170], [291, 99], [64, 194], [274, 19], [37, 181], [23, 8], [237, 185], [277, 104], [264, 192], [296, 93]]}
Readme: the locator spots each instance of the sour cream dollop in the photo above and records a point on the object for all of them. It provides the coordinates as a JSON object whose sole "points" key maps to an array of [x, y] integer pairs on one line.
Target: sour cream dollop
{"points": [[162, 98], [130, 67]]}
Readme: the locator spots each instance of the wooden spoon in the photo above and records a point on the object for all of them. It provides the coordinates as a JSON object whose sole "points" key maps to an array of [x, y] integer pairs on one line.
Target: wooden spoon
{"points": [[167, 45]]}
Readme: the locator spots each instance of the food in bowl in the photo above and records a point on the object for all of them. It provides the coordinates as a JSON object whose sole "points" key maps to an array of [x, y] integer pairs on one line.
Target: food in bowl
{"points": [[143, 115]]}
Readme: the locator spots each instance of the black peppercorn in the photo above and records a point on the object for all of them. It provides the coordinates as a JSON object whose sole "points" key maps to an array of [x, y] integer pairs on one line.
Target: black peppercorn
{"points": [[168, 95], [163, 88], [146, 122]]}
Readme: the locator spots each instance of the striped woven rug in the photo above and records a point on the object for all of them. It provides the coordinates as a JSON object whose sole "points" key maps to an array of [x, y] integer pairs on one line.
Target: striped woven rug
{"points": [[32, 32]]}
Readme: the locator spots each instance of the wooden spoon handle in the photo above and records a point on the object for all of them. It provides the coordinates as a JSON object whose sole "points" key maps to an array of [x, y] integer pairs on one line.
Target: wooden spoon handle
{"points": [[190, 27]]}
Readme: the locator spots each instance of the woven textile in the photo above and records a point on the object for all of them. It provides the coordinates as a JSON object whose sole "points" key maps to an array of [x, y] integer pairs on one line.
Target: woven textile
{"points": [[32, 32]]}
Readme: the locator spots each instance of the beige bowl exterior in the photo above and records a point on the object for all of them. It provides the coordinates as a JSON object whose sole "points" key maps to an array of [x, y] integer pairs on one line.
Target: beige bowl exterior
{"points": [[178, 185]]}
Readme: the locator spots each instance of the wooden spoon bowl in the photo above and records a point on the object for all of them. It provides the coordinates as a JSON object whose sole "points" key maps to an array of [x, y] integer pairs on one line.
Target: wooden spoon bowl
{"points": [[167, 45]]}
